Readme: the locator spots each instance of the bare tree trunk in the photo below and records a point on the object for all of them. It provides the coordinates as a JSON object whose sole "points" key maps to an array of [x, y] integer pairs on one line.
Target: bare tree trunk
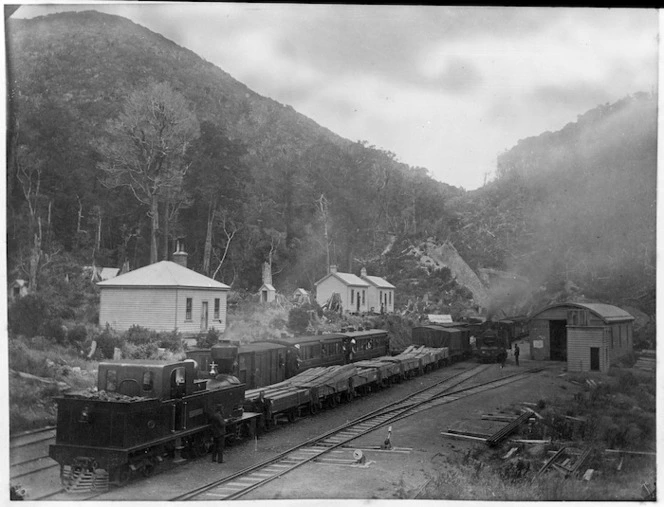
{"points": [[35, 257], [154, 214], [207, 252], [164, 252], [98, 237]]}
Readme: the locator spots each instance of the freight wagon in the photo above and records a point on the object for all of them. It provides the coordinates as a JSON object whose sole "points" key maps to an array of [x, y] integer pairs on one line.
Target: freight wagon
{"points": [[456, 339]]}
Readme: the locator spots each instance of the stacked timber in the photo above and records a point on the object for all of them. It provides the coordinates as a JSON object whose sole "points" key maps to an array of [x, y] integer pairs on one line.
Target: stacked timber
{"points": [[328, 381], [508, 429], [646, 361]]}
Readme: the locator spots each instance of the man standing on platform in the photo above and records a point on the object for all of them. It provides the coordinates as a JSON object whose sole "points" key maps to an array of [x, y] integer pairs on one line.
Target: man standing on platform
{"points": [[516, 353], [218, 425]]}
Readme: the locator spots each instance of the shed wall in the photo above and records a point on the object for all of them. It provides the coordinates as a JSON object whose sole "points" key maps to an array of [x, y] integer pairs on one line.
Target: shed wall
{"points": [[326, 288], [539, 335], [122, 307], [161, 309], [579, 342]]}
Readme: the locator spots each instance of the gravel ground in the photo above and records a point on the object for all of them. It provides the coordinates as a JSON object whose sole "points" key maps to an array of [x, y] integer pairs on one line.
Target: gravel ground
{"points": [[386, 475]]}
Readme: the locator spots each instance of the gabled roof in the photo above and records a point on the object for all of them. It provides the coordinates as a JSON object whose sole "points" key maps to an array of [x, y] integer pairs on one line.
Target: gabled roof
{"points": [[164, 274], [608, 313], [268, 287], [379, 282], [346, 278]]}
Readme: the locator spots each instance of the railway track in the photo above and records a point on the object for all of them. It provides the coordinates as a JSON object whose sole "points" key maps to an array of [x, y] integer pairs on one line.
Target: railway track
{"points": [[314, 450]]}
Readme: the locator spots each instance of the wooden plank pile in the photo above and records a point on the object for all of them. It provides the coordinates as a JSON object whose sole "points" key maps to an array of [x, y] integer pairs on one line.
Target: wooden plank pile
{"points": [[508, 429], [646, 361]]}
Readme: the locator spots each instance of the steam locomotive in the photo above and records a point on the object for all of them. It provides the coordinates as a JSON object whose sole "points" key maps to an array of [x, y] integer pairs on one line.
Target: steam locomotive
{"points": [[144, 412]]}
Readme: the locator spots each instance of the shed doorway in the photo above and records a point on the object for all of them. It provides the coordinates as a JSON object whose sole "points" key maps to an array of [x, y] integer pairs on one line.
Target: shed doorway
{"points": [[558, 334], [594, 358]]}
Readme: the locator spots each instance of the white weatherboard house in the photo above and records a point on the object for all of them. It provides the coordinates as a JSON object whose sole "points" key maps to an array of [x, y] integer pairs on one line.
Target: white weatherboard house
{"points": [[164, 296], [381, 293], [352, 290]]}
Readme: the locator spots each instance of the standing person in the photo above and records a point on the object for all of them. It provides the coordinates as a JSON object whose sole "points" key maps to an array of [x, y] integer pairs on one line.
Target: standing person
{"points": [[218, 425], [516, 353]]}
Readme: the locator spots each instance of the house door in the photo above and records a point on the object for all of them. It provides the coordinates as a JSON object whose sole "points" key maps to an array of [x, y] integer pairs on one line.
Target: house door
{"points": [[204, 316], [594, 358]]}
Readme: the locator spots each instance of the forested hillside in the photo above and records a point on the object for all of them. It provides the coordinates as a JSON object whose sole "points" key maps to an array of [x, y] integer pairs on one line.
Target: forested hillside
{"points": [[575, 208], [258, 182], [94, 101]]}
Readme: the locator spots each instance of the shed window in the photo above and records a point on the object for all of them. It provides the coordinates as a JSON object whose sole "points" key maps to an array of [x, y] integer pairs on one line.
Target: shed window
{"points": [[111, 380], [577, 318], [148, 381], [216, 308], [187, 312]]}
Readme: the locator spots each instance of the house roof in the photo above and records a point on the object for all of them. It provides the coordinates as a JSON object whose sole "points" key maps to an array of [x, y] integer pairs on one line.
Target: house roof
{"points": [[346, 278], [163, 274], [379, 282], [608, 313], [268, 287], [108, 273]]}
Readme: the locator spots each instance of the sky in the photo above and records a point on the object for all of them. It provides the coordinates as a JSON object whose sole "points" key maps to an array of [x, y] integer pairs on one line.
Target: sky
{"points": [[444, 88]]}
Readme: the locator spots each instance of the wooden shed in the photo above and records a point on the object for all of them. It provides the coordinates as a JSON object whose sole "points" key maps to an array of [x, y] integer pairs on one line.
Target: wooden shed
{"points": [[163, 296], [588, 336]]}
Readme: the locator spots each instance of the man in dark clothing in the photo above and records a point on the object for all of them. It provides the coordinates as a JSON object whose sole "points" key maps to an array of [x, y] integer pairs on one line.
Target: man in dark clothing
{"points": [[218, 426], [516, 354]]}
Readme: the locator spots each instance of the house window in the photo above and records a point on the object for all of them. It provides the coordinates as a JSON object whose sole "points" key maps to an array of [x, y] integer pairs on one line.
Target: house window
{"points": [[352, 295], [390, 298], [363, 297], [216, 308], [187, 313]]}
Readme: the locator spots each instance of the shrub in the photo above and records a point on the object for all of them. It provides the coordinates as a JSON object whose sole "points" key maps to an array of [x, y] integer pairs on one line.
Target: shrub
{"points": [[207, 340], [140, 335], [78, 334], [172, 340], [107, 340], [27, 315], [56, 330], [298, 320]]}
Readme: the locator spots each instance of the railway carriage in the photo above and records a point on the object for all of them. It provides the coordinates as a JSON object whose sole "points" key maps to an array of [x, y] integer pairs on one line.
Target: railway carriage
{"points": [[367, 344]]}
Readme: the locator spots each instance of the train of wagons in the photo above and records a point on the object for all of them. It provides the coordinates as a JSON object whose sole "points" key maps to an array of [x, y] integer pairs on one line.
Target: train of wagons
{"points": [[492, 339], [143, 412]]}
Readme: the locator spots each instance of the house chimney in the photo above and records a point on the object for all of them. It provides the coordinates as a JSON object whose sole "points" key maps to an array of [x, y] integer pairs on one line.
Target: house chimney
{"points": [[333, 268], [267, 273], [363, 272], [180, 256]]}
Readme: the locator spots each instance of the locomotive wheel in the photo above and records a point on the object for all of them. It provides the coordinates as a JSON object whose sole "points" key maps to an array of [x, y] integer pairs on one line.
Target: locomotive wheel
{"points": [[313, 408], [122, 474], [149, 468], [348, 396], [291, 416], [332, 401], [200, 447]]}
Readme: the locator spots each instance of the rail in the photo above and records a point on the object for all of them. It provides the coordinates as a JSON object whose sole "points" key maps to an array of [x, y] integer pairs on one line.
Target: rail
{"points": [[255, 476]]}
